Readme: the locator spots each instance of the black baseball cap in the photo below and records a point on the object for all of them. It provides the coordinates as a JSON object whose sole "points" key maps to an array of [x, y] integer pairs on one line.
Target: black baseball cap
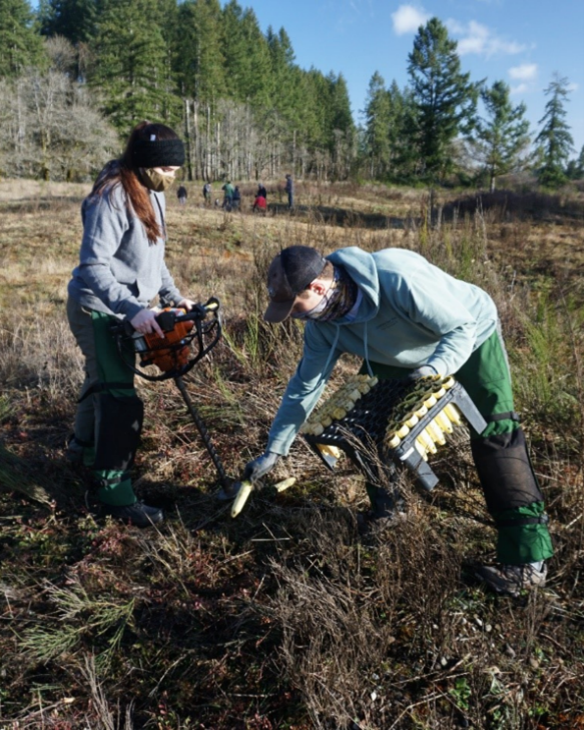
{"points": [[290, 273]]}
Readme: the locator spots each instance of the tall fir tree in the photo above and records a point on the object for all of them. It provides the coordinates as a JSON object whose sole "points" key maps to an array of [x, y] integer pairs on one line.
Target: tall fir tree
{"points": [[284, 91], [313, 88], [340, 117], [554, 140], [402, 119], [129, 65], [200, 63], [20, 45], [72, 19], [377, 125], [444, 98], [247, 57], [340, 127], [502, 136], [575, 169]]}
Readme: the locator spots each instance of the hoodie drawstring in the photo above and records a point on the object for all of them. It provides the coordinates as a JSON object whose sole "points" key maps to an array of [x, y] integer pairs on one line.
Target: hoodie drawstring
{"points": [[332, 349], [369, 369]]}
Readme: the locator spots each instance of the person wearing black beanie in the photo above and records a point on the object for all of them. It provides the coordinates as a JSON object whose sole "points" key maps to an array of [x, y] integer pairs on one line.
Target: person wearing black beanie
{"points": [[121, 271]]}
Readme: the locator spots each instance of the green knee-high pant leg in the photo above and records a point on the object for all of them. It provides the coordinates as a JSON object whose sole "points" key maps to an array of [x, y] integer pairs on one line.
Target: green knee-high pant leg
{"points": [[106, 373], [486, 378]]}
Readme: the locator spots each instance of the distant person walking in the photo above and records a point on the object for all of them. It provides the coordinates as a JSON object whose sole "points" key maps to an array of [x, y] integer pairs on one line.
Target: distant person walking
{"points": [[236, 198], [262, 192], [181, 194], [290, 190], [207, 193], [227, 195]]}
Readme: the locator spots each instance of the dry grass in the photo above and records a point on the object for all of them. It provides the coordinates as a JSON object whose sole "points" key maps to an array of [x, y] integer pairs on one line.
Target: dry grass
{"points": [[286, 618]]}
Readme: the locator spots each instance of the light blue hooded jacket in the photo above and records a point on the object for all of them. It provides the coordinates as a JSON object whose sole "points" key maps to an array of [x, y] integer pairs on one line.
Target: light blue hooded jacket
{"points": [[411, 314]]}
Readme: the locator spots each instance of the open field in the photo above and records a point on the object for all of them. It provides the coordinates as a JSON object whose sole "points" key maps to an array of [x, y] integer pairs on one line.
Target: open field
{"points": [[285, 618]]}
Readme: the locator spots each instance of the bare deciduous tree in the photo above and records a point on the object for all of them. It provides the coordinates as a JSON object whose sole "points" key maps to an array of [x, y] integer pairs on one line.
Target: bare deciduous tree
{"points": [[53, 128]]}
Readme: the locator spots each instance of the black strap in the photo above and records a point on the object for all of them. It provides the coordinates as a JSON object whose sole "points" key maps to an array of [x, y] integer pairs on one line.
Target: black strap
{"points": [[162, 221], [100, 387], [102, 482], [508, 416], [517, 521], [85, 444]]}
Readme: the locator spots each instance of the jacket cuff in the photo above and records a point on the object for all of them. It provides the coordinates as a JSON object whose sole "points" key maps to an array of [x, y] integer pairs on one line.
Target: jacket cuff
{"points": [[278, 448], [130, 310], [438, 366]]}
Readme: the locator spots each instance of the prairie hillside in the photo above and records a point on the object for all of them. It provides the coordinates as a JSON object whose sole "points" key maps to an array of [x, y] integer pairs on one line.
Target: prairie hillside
{"points": [[285, 618]]}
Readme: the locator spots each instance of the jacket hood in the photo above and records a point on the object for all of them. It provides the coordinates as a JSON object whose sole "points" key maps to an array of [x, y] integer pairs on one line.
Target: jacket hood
{"points": [[360, 265]]}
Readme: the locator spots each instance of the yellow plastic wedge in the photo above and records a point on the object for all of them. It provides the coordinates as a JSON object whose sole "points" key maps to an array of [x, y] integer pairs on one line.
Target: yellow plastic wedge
{"points": [[242, 496]]}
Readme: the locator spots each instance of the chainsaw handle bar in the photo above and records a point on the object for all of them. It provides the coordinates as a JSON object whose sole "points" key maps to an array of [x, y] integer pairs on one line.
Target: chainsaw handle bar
{"points": [[202, 330], [198, 314]]}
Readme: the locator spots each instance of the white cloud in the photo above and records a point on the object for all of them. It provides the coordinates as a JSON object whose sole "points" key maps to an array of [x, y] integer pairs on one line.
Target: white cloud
{"points": [[477, 38], [525, 72], [572, 87], [408, 18], [519, 89], [455, 27]]}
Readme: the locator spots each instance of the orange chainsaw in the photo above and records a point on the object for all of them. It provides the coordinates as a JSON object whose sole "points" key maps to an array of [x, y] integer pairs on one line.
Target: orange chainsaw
{"points": [[188, 337]]}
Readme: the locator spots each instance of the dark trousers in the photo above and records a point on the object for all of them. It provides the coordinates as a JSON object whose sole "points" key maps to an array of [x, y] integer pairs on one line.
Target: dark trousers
{"points": [[512, 494]]}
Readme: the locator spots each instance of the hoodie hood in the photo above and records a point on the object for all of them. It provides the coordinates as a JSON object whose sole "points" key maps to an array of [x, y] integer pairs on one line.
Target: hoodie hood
{"points": [[360, 266], [411, 314]]}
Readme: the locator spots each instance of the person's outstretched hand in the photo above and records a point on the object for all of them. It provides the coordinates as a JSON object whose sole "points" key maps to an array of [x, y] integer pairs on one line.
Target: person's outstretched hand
{"points": [[421, 372], [259, 467]]}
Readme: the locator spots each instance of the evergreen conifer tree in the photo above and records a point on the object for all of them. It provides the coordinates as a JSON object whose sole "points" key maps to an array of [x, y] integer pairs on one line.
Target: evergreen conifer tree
{"points": [[404, 159], [283, 76], [247, 57], [554, 140], [72, 19], [377, 124], [444, 98], [200, 63], [503, 135], [20, 45], [129, 66], [575, 169], [340, 125]]}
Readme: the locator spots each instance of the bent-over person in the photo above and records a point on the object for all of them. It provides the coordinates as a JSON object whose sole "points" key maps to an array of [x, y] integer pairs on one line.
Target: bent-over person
{"points": [[406, 318]]}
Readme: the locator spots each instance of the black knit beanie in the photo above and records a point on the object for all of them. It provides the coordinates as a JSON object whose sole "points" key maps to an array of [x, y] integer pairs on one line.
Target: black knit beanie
{"points": [[158, 153]]}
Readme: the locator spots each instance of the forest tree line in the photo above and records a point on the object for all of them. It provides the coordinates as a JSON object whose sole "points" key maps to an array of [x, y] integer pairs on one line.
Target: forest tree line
{"points": [[75, 75]]}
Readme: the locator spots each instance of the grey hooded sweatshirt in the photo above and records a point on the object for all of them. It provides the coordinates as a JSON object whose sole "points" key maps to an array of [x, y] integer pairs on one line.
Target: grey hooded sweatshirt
{"points": [[120, 271], [411, 314]]}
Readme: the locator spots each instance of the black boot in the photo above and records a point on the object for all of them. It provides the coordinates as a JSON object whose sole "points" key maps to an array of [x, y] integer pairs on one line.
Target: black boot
{"points": [[387, 508], [138, 514]]}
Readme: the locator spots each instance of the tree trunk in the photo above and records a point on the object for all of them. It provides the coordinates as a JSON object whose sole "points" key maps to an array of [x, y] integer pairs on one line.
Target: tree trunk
{"points": [[188, 140], [492, 185]]}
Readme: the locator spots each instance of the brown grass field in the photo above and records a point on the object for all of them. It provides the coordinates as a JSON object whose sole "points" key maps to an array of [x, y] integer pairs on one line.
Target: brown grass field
{"points": [[285, 618]]}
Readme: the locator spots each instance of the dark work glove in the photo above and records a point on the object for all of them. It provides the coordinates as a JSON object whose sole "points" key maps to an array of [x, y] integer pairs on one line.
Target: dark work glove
{"points": [[421, 372], [259, 467]]}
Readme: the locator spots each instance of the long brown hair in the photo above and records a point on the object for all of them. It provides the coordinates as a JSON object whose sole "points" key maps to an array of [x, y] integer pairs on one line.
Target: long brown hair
{"points": [[124, 172]]}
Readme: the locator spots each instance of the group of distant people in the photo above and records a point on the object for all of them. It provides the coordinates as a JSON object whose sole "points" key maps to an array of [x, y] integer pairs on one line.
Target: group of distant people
{"points": [[232, 196]]}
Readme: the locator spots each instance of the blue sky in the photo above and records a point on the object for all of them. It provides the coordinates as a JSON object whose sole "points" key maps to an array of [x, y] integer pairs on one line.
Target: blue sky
{"points": [[522, 42]]}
